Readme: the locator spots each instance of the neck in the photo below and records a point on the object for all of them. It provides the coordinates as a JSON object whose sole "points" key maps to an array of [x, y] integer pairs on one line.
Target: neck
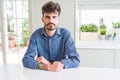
{"points": [[50, 33]]}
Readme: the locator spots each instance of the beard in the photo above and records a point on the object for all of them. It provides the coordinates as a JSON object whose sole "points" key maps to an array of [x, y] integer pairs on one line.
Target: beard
{"points": [[50, 26]]}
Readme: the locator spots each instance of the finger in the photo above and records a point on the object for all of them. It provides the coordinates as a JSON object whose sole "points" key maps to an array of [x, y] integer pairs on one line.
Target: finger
{"points": [[41, 57], [37, 59]]}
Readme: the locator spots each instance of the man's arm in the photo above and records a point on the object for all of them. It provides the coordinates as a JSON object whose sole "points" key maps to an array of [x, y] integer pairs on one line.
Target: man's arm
{"points": [[73, 58], [28, 59]]}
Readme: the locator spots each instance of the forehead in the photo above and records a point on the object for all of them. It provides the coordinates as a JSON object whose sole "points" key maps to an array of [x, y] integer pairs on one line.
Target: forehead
{"points": [[51, 14]]}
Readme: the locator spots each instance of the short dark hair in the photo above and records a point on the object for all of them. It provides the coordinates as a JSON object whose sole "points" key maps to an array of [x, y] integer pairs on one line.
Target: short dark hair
{"points": [[51, 7]]}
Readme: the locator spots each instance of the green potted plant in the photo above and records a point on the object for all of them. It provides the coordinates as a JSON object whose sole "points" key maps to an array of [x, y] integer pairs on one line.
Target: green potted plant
{"points": [[103, 29], [89, 32], [116, 28], [89, 28], [116, 24]]}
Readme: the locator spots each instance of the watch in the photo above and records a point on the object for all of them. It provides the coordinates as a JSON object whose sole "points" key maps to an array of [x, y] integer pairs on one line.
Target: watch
{"points": [[40, 66]]}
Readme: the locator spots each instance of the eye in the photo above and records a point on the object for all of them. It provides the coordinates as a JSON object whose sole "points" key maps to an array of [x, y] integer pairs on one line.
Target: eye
{"points": [[47, 17], [54, 16]]}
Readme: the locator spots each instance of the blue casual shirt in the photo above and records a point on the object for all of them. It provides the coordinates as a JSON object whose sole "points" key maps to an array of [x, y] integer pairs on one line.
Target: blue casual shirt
{"points": [[59, 47]]}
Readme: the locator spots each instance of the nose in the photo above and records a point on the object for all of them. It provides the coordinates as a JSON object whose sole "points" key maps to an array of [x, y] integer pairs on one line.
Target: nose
{"points": [[51, 19]]}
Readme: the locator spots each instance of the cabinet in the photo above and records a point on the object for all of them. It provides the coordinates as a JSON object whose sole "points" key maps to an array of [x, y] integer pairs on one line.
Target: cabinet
{"points": [[97, 57], [117, 58]]}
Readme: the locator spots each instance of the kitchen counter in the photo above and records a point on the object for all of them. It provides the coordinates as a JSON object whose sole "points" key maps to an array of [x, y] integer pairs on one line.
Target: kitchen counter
{"points": [[100, 44]]}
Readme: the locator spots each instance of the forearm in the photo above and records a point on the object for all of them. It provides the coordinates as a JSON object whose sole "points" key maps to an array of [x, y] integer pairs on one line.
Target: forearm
{"points": [[71, 63], [29, 63]]}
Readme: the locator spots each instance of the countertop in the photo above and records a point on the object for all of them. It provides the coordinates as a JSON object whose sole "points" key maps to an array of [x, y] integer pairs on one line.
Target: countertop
{"points": [[99, 44], [18, 72]]}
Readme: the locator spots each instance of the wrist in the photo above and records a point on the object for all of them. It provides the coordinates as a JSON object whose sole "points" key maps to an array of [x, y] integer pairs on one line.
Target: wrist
{"points": [[40, 66]]}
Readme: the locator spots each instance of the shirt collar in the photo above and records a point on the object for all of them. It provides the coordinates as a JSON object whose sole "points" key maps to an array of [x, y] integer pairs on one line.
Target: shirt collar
{"points": [[42, 32]]}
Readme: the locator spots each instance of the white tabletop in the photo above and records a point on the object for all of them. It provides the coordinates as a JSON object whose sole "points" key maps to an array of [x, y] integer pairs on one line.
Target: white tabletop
{"points": [[18, 72]]}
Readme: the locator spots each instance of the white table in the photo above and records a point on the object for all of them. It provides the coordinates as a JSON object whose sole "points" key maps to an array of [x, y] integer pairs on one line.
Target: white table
{"points": [[18, 72]]}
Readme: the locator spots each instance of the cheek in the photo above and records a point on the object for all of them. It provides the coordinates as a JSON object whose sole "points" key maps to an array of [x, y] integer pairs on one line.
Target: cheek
{"points": [[56, 21], [45, 22]]}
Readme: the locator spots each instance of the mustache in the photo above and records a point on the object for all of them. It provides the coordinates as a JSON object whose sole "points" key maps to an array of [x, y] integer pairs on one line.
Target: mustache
{"points": [[50, 23]]}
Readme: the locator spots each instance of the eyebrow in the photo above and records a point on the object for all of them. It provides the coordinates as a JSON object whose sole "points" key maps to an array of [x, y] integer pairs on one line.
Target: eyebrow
{"points": [[49, 16]]}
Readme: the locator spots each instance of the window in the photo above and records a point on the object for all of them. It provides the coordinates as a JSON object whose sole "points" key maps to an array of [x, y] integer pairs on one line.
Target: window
{"points": [[16, 30], [94, 11]]}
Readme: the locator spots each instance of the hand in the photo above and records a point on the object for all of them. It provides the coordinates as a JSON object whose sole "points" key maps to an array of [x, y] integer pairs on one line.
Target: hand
{"points": [[56, 66], [42, 60]]}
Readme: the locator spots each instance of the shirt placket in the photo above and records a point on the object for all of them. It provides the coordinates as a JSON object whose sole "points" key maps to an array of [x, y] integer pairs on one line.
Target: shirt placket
{"points": [[50, 49]]}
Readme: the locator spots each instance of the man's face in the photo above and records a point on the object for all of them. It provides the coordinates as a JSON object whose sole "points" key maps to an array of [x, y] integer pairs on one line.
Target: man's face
{"points": [[50, 21]]}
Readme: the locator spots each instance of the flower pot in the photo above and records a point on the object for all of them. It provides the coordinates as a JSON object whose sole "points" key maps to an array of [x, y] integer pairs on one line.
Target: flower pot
{"points": [[88, 36], [102, 37]]}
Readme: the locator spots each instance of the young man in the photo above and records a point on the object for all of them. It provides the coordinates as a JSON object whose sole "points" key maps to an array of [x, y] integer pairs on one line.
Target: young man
{"points": [[53, 46]]}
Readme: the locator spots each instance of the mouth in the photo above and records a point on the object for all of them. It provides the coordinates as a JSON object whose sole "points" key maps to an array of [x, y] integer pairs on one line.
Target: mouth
{"points": [[50, 24], [50, 28]]}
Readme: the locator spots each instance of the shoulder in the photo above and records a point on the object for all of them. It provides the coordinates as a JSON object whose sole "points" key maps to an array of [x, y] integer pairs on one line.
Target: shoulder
{"points": [[66, 35], [64, 31], [37, 31]]}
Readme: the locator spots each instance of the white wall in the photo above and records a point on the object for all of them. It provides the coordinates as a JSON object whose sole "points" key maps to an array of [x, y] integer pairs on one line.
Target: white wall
{"points": [[67, 14]]}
